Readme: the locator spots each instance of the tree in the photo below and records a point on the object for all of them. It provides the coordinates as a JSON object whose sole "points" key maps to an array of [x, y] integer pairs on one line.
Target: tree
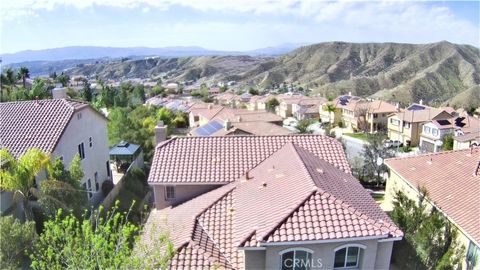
{"points": [[63, 189], [18, 175], [361, 112], [9, 76], [23, 74], [138, 94], [105, 240], [447, 142], [63, 79], [272, 104], [374, 153], [430, 235], [87, 92], [16, 240], [253, 91], [330, 108], [302, 125], [39, 89]]}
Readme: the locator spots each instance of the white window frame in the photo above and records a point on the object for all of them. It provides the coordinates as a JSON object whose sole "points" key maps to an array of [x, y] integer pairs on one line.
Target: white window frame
{"points": [[294, 254], [168, 196], [407, 125], [426, 129], [435, 132], [394, 122], [359, 246]]}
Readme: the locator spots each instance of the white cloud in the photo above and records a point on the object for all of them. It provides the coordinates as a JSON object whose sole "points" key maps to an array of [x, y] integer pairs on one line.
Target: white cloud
{"points": [[401, 21]]}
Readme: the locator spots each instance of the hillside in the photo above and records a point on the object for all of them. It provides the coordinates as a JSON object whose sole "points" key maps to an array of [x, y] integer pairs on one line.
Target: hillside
{"points": [[435, 73]]}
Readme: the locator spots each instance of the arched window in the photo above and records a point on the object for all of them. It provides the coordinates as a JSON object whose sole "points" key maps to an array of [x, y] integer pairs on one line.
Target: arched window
{"points": [[348, 256], [296, 259]]}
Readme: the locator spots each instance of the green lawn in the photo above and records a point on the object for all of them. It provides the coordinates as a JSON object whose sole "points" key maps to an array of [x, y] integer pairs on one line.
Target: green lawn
{"points": [[361, 136]]}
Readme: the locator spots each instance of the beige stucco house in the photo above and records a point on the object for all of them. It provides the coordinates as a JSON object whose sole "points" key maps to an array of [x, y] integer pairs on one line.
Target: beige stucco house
{"points": [[451, 179], [62, 128], [434, 132], [265, 202], [406, 126]]}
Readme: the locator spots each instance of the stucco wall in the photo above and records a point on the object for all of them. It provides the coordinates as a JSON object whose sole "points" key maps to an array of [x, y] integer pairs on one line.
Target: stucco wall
{"points": [[182, 193], [324, 254], [91, 124]]}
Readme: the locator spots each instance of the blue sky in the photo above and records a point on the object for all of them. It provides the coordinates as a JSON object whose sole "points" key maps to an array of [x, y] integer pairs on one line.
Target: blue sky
{"points": [[231, 24]]}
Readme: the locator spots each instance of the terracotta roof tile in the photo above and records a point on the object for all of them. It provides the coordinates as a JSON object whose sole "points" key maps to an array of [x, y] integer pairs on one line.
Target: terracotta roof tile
{"points": [[225, 159], [35, 124], [291, 195], [452, 180]]}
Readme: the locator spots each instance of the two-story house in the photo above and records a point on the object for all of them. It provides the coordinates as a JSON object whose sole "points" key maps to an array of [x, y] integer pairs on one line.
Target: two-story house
{"points": [[433, 132], [338, 104], [307, 108], [377, 115], [406, 126], [451, 179], [265, 202], [284, 109], [224, 121], [61, 128]]}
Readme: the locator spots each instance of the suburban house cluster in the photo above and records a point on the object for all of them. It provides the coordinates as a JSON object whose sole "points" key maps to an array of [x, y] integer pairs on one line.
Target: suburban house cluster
{"points": [[61, 128], [266, 202]]}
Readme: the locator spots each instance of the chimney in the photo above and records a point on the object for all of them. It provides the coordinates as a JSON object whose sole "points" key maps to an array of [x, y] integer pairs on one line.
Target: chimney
{"points": [[209, 106], [160, 132], [60, 92], [228, 124], [421, 102], [349, 93], [239, 119]]}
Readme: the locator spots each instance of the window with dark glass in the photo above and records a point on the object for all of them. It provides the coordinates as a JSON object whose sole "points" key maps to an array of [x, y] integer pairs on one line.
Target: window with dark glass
{"points": [[81, 151], [347, 257]]}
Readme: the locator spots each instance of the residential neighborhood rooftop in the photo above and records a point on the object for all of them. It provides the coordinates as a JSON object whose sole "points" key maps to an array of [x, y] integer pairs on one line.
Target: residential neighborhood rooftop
{"points": [[452, 179], [35, 124], [292, 195], [225, 159]]}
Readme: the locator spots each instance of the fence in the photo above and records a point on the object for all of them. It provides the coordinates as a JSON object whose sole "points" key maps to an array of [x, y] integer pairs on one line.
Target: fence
{"points": [[109, 199]]}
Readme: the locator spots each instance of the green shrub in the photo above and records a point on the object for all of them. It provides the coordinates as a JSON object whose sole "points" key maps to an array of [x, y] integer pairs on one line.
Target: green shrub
{"points": [[16, 239], [340, 124]]}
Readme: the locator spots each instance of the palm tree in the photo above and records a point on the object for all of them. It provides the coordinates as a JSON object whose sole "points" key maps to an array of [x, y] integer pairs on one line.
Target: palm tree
{"points": [[23, 73], [18, 175], [9, 76], [330, 108]]}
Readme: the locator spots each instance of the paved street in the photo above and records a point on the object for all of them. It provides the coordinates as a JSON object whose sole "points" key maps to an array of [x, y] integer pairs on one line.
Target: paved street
{"points": [[354, 146]]}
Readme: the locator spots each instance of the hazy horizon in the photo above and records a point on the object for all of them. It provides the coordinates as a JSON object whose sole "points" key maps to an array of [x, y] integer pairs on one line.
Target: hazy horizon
{"points": [[232, 26]]}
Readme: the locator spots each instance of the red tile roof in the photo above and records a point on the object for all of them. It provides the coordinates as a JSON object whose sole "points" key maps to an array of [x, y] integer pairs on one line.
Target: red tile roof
{"points": [[35, 124], [255, 128], [292, 195], [224, 159], [452, 181]]}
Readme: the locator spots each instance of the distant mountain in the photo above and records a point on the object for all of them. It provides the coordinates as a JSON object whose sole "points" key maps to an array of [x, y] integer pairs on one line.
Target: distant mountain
{"points": [[437, 73], [94, 52]]}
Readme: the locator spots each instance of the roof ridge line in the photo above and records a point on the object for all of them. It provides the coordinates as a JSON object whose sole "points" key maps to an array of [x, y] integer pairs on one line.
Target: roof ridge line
{"points": [[435, 154], [294, 209], [214, 243]]}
